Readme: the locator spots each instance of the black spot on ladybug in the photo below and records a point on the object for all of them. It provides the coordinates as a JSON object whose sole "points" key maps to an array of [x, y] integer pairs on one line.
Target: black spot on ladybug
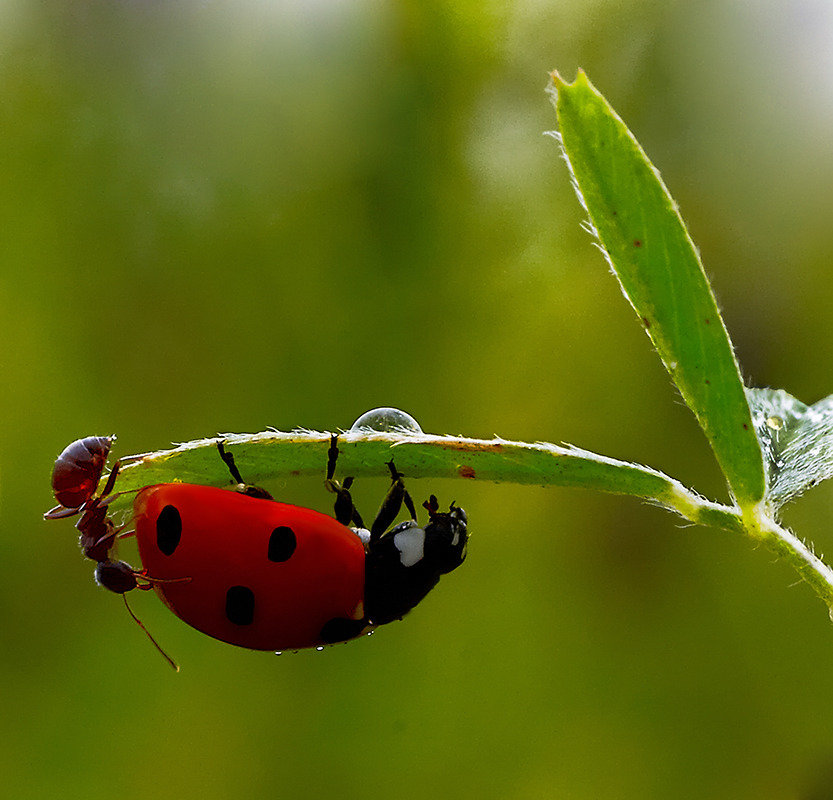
{"points": [[340, 629], [282, 544], [168, 530], [240, 605]]}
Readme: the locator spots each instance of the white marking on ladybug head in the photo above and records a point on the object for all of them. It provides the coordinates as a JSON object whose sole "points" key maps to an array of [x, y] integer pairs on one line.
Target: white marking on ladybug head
{"points": [[410, 543], [363, 534]]}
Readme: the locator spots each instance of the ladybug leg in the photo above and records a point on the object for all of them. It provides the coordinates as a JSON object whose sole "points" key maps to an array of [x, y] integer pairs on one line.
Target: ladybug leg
{"points": [[392, 504], [228, 458], [345, 510], [242, 486]]}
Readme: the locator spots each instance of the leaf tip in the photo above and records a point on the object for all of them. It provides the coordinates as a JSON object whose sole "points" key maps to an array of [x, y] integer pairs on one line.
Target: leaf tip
{"points": [[558, 88], [556, 81]]}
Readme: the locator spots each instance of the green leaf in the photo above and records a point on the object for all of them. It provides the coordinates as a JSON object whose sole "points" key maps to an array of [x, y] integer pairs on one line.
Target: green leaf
{"points": [[267, 456], [643, 237], [797, 441]]}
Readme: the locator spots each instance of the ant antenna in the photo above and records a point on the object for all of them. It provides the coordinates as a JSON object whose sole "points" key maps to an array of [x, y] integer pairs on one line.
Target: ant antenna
{"points": [[156, 644]]}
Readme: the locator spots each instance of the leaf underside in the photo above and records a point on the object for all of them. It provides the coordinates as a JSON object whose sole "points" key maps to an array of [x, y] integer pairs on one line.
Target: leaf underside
{"points": [[797, 441], [270, 455]]}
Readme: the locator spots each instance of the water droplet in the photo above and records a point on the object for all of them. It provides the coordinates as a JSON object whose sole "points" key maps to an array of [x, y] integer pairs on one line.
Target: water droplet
{"points": [[774, 423], [386, 419], [278, 652], [319, 648]]}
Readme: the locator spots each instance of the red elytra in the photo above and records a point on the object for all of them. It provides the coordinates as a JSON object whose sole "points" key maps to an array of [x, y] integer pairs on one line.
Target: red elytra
{"points": [[260, 574]]}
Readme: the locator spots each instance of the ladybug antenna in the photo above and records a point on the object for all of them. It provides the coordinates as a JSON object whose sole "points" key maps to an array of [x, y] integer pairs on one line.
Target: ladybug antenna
{"points": [[432, 505], [156, 644]]}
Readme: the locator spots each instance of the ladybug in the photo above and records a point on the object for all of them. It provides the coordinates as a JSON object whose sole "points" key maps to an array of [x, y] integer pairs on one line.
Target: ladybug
{"points": [[271, 576], [248, 570]]}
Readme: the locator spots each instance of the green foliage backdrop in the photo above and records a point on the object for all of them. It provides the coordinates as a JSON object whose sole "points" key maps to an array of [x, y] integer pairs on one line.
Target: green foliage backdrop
{"points": [[220, 217]]}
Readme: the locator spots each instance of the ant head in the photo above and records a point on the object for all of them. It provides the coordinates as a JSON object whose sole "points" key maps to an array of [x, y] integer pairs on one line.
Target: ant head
{"points": [[117, 576]]}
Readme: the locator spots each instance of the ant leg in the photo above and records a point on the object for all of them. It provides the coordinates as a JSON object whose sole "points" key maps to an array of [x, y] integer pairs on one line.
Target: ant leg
{"points": [[242, 487], [345, 511], [392, 504], [102, 501], [61, 512], [111, 479]]}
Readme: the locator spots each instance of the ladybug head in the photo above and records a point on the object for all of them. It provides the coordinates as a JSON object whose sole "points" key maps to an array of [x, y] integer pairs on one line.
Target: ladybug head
{"points": [[403, 565], [446, 537]]}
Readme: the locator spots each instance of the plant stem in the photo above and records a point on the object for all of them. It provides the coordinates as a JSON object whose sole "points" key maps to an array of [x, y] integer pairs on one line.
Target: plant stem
{"points": [[784, 543]]}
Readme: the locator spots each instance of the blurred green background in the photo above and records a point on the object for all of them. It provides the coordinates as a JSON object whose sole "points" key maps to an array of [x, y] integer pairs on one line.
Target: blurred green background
{"points": [[225, 216]]}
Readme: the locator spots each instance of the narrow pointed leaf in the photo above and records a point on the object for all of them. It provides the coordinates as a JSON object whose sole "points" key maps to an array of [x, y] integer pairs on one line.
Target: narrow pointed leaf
{"points": [[270, 455], [643, 236]]}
